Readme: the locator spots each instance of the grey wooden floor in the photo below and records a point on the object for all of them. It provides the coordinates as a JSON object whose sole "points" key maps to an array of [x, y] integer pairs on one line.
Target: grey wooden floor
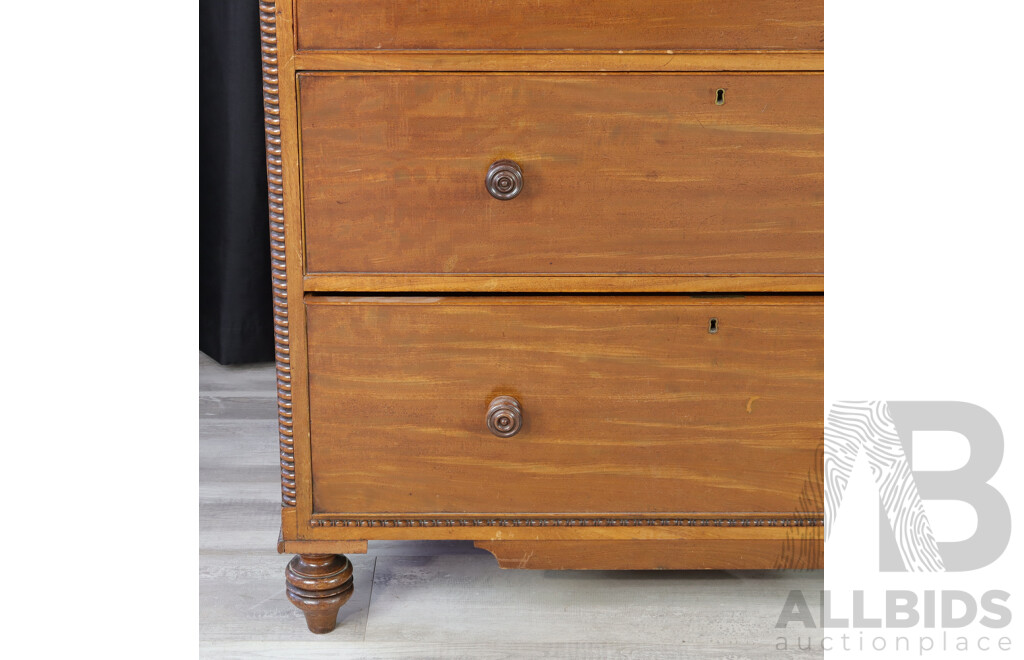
{"points": [[442, 599]]}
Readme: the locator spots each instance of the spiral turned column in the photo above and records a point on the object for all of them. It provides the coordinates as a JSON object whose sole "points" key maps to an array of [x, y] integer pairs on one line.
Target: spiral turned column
{"points": [[319, 585]]}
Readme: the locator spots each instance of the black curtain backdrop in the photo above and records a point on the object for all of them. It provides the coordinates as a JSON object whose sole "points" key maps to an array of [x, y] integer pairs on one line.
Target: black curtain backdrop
{"points": [[235, 309]]}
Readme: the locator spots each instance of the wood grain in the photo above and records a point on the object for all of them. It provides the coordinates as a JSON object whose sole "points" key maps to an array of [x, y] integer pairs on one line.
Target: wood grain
{"points": [[321, 547], [639, 173], [560, 24], [560, 61], [701, 554], [630, 404], [778, 283]]}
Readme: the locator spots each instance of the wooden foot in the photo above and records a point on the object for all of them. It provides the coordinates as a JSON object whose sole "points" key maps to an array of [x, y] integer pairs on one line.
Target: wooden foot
{"points": [[319, 585]]}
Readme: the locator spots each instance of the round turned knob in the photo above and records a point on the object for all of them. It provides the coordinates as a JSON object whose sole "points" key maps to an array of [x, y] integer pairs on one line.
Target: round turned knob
{"points": [[504, 416], [504, 180]]}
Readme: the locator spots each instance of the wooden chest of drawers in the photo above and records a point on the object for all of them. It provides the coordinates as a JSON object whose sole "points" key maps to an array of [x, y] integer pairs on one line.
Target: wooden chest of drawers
{"points": [[548, 277]]}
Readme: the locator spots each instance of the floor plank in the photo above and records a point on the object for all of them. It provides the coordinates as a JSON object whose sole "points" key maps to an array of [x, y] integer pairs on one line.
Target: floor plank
{"points": [[441, 598]]}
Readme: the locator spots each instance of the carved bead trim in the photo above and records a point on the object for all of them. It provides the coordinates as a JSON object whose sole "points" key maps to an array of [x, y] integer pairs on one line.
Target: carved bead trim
{"points": [[279, 273], [567, 522]]}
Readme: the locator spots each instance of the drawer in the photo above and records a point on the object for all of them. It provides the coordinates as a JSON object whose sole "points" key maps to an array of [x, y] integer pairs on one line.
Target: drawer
{"points": [[621, 173], [560, 25], [636, 404]]}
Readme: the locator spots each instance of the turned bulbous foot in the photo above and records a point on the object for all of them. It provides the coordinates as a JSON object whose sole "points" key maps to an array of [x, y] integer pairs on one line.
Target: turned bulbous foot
{"points": [[319, 585]]}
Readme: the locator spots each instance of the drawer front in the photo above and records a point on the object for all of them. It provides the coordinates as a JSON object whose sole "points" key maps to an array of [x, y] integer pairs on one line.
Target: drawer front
{"points": [[628, 404], [560, 24], [621, 174]]}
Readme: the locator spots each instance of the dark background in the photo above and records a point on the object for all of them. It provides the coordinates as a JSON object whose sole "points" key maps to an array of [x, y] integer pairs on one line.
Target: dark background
{"points": [[235, 312]]}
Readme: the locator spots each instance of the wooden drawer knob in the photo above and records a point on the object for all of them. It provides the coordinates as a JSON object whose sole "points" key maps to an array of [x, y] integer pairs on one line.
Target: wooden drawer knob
{"points": [[504, 180], [504, 416]]}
